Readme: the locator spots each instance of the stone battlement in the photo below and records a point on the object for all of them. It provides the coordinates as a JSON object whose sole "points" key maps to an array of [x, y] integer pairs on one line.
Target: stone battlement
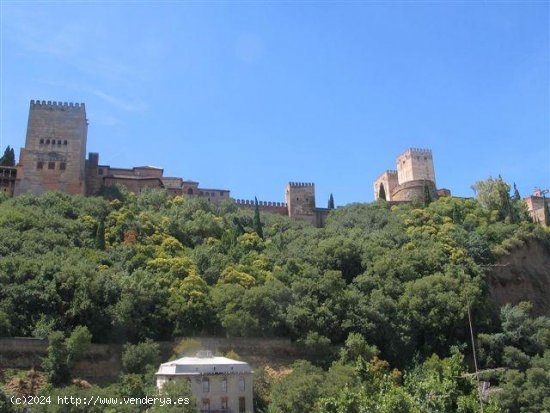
{"points": [[418, 151], [56, 105], [390, 172], [251, 202], [300, 184]]}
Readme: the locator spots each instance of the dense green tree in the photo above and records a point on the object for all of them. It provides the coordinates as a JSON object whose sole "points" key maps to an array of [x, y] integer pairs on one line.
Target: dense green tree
{"points": [[55, 364], [330, 202], [140, 358], [257, 222], [8, 159]]}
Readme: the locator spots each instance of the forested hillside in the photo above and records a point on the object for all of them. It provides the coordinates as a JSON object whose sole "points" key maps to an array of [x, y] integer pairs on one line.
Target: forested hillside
{"points": [[391, 282]]}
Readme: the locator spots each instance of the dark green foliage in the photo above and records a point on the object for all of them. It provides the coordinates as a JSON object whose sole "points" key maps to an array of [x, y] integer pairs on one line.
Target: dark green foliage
{"points": [[427, 195], [55, 364], [140, 358], [546, 213], [517, 196], [100, 235], [331, 202], [378, 278], [8, 159], [63, 353], [257, 222]]}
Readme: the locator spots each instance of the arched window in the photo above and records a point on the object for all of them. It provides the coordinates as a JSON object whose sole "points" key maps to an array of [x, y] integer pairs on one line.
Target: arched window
{"points": [[41, 141], [190, 191], [47, 141], [59, 142], [382, 192], [64, 142]]}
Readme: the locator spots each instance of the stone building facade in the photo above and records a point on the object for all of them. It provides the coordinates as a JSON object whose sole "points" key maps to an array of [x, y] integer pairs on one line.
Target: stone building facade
{"points": [[219, 384], [535, 206], [53, 158], [7, 179], [414, 176]]}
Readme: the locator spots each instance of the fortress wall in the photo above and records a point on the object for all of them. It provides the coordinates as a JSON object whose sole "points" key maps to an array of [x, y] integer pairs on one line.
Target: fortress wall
{"points": [[280, 208], [414, 191]]}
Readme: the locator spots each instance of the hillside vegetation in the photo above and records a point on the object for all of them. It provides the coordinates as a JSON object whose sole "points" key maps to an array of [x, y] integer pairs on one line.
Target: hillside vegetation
{"points": [[393, 283]]}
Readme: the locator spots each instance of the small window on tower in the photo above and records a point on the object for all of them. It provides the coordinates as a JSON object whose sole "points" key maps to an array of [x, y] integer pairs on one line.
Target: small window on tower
{"points": [[62, 166], [40, 165], [51, 165], [100, 172]]}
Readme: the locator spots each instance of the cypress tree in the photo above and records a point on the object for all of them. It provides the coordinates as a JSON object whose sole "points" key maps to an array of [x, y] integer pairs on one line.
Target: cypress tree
{"points": [[257, 223], [331, 202], [427, 195], [517, 197], [100, 235], [8, 159]]}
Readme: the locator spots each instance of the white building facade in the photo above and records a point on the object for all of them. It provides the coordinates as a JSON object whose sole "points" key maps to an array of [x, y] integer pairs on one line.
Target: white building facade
{"points": [[219, 384]]}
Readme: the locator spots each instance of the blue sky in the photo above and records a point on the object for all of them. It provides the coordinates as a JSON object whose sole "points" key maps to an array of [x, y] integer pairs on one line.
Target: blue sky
{"points": [[252, 95]]}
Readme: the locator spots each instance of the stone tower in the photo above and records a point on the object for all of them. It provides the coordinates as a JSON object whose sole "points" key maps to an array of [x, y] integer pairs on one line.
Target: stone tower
{"points": [[300, 199], [53, 158], [415, 165]]}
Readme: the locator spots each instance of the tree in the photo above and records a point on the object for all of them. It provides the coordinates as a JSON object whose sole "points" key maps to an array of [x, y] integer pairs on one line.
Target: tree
{"points": [[494, 194], [78, 344], [100, 235], [427, 195], [174, 390], [8, 159], [546, 212], [356, 346], [55, 363], [331, 202], [141, 357], [257, 223], [516, 196]]}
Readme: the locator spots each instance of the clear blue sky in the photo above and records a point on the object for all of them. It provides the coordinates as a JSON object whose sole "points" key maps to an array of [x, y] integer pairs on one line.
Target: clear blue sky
{"points": [[250, 96]]}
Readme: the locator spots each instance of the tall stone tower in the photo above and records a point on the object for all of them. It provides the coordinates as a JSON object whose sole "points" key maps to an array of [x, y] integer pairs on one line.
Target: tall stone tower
{"points": [[300, 199], [53, 158], [415, 165]]}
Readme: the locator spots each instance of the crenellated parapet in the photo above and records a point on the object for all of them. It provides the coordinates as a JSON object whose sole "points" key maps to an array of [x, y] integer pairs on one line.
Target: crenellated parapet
{"points": [[38, 104], [300, 184], [280, 208], [389, 172], [252, 202], [420, 151]]}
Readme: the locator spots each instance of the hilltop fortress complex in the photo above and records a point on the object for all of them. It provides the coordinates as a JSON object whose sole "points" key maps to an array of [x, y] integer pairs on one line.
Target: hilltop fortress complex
{"points": [[54, 159]]}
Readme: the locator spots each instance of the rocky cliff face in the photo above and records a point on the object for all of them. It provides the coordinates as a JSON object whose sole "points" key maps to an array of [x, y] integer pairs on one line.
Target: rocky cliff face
{"points": [[523, 275]]}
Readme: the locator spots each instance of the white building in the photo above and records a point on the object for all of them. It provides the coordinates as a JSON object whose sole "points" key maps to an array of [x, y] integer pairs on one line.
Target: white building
{"points": [[219, 384]]}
